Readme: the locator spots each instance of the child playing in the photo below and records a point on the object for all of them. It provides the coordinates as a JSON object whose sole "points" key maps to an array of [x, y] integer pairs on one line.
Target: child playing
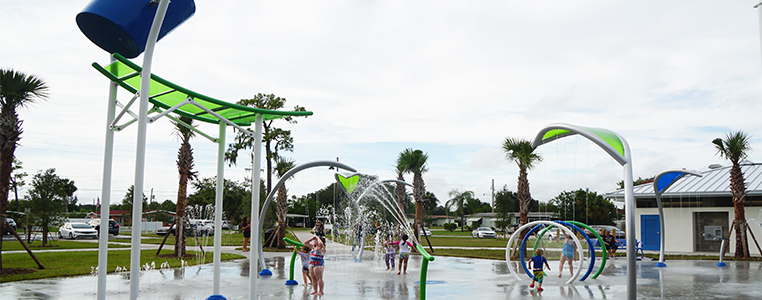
{"points": [[304, 255], [391, 252], [316, 263], [404, 252], [567, 254], [536, 265]]}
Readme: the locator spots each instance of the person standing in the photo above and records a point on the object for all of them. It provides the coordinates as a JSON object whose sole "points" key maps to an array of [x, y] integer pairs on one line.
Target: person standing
{"points": [[358, 235], [246, 233], [567, 254], [319, 228], [317, 263]]}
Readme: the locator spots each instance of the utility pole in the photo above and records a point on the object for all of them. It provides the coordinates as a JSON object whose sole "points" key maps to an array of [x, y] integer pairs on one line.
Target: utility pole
{"points": [[493, 195]]}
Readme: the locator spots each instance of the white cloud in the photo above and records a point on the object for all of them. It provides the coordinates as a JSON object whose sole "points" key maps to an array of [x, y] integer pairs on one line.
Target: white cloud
{"points": [[451, 78]]}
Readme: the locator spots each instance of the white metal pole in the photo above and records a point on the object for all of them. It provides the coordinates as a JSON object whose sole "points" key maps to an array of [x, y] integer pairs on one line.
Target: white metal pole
{"points": [[140, 156], [759, 16], [255, 231], [108, 157], [629, 210], [218, 207]]}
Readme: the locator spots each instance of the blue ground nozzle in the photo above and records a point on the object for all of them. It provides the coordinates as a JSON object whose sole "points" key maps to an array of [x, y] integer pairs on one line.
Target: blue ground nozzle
{"points": [[216, 297], [265, 272], [661, 265], [291, 282]]}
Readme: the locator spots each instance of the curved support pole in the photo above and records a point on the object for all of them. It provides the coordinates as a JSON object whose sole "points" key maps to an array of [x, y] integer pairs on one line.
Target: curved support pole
{"points": [[289, 174], [659, 188], [424, 269], [140, 159]]}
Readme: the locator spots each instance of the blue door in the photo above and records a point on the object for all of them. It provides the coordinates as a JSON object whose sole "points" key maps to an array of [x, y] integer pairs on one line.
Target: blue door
{"points": [[650, 234]]}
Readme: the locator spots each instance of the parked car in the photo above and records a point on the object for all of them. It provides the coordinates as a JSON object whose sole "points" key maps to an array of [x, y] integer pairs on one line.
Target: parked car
{"points": [[113, 226], [620, 234], [511, 228], [76, 230], [192, 228], [426, 231], [483, 232], [13, 225]]}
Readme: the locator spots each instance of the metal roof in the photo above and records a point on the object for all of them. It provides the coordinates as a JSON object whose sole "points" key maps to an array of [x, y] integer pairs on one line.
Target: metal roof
{"points": [[715, 182]]}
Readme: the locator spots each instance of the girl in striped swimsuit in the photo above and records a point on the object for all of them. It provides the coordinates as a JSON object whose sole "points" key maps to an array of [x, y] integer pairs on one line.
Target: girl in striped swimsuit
{"points": [[316, 263]]}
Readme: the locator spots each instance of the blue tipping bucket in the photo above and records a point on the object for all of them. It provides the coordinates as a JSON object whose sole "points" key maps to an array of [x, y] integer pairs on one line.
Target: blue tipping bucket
{"points": [[122, 26]]}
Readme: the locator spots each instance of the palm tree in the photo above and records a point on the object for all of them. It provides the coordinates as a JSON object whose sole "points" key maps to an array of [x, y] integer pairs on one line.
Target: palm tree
{"points": [[414, 161], [458, 199], [522, 153], [399, 190], [16, 90], [735, 147], [185, 169], [282, 165]]}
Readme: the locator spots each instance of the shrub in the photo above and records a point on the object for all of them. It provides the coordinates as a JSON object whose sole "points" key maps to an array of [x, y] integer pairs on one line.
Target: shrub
{"points": [[450, 226]]}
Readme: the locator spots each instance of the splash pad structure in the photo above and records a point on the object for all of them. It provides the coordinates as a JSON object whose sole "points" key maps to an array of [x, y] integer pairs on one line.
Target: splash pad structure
{"points": [[131, 27], [616, 146]]}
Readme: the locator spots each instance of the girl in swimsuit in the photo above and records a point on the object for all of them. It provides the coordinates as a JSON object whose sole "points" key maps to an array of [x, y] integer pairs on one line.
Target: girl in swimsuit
{"points": [[317, 263], [567, 254], [404, 252]]}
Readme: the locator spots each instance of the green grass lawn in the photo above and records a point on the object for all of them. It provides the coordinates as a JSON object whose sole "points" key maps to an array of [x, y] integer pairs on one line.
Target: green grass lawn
{"points": [[228, 239], [55, 245], [72, 263]]}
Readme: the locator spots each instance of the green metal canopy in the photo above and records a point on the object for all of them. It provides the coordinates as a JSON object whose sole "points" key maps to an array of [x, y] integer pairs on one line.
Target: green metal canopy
{"points": [[169, 96], [608, 140]]}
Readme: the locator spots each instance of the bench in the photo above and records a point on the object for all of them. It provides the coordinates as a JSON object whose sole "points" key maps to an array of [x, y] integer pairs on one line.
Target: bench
{"points": [[623, 246]]}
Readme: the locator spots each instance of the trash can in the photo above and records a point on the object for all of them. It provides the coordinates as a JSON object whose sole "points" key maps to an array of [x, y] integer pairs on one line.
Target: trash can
{"points": [[268, 234], [122, 26]]}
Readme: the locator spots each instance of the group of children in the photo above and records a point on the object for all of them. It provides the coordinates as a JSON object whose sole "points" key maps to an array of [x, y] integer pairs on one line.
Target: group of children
{"points": [[391, 251], [313, 262]]}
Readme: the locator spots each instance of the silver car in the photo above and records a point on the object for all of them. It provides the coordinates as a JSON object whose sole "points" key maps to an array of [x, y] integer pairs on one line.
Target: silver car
{"points": [[483, 232], [76, 230]]}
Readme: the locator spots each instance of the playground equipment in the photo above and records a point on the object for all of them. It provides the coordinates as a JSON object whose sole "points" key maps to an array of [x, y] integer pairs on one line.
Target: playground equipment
{"points": [[123, 26], [109, 24], [617, 147], [509, 246], [291, 280], [590, 246], [661, 182]]}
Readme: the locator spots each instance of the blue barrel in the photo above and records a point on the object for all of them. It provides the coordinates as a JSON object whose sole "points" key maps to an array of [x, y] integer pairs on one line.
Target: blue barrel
{"points": [[122, 26]]}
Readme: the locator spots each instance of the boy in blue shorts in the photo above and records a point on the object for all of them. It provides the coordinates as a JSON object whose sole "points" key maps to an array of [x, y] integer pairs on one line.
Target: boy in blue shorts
{"points": [[535, 263]]}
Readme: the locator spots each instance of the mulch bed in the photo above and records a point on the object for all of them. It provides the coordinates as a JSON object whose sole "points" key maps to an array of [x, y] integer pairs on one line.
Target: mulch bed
{"points": [[16, 271]]}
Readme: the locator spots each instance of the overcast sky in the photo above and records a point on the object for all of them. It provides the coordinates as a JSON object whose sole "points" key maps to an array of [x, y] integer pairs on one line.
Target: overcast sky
{"points": [[452, 78]]}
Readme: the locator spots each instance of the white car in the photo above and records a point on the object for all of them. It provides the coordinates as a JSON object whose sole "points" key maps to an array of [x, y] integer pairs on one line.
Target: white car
{"points": [[76, 230], [483, 232], [426, 231]]}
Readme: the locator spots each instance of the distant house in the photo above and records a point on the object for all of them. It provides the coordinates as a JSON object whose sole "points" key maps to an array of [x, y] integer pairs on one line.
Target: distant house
{"points": [[698, 211], [491, 219], [117, 215]]}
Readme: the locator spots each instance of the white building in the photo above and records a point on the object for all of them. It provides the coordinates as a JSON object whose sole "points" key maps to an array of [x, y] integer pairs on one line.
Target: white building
{"points": [[698, 211]]}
